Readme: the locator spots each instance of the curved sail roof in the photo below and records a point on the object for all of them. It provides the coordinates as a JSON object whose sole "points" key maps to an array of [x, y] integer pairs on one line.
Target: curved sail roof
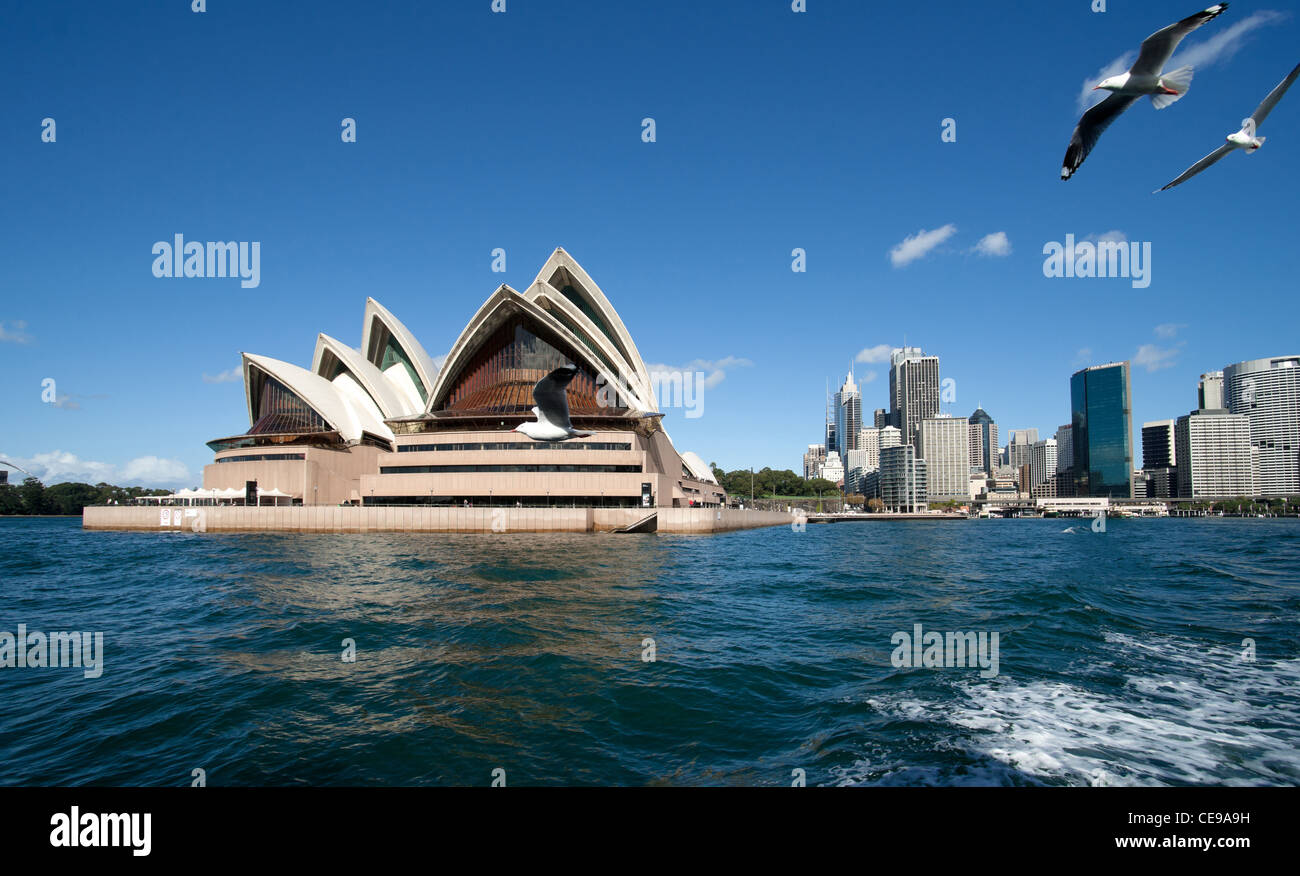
{"points": [[500, 307], [352, 373], [698, 467], [391, 348], [304, 397], [568, 291]]}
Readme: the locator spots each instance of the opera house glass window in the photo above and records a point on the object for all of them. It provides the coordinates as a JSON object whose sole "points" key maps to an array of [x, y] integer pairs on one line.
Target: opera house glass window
{"points": [[500, 377]]}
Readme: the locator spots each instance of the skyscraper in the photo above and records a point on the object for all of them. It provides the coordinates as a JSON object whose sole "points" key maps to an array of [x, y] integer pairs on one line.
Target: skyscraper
{"points": [[1042, 464], [1268, 392], [848, 416], [1101, 406], [813, 461], [982, 439], [944, 445], [1020, 446], [1209, 391], [1214, 455], [881, 418], [913, 390], [1158, 444]]}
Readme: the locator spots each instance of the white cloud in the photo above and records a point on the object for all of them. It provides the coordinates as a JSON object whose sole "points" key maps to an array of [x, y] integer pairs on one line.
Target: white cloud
{"points": [[878, 353], [59, 466], [1169, 329], [1224, 44], [66, 402], [1154, 358], [995, 244], [1219, 47], [1114, 236], [866, 378], [15, 334], [230, 376], [715, 370], [919, 245], [154, 470]]}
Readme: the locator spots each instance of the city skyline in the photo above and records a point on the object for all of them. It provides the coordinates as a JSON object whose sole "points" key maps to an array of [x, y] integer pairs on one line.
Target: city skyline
{"points": [[693, 235]]}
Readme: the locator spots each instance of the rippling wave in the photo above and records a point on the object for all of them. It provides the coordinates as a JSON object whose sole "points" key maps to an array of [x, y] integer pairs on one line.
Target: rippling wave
{"points": [[1121, 656]]}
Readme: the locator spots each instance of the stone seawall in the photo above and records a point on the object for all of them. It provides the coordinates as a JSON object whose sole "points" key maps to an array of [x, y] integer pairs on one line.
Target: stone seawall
{"points": [[329, 518]]}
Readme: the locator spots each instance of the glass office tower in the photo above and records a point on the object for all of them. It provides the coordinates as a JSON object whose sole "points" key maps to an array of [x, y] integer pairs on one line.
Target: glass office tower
{"points": [[1101, 404]]}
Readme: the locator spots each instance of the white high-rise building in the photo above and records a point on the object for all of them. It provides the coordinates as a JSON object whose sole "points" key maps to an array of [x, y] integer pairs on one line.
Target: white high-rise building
{"points": [[833, 468], [902, 479], [1268, 392], [945, 446], [1043, 460], [869, 443], [1214, 456], [890, 436]]}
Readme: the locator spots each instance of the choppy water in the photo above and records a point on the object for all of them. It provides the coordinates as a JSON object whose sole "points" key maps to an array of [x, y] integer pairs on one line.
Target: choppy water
{"points": [[1120, 656]]}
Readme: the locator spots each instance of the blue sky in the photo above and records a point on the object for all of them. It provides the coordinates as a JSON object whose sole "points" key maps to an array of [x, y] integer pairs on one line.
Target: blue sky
{"points": [[522, 130]]}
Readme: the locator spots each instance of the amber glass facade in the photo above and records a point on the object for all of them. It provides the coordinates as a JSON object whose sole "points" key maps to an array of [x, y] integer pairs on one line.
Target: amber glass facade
{"points": [[500, 377]]}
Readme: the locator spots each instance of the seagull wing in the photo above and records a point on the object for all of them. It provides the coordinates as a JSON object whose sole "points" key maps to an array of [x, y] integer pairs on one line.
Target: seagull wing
{"points": [[1201, 165], [551, 395], [1090, 128], [1261, 112], [1157, 48]]}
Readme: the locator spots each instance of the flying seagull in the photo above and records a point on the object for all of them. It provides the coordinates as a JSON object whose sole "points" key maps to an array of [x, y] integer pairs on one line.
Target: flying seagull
{"points": [[552, 411], [1245, 138], [1144, 77]]}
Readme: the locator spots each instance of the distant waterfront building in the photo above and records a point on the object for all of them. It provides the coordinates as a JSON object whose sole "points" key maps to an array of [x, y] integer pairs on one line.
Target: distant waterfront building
{"points": [[982, 437], [881, 418], [813, 461], [1209, 391], [869, 449], [1042, 464], [902, 479], [1161, 483], [1158, 444], [944, 445], [1159, 475], [1101, 405], [1020, 447], [913, 390], [833, 468], [855, 470], [848, 416], [1214, 455], [1064, 448], [1141, 486], [1268, 392]]}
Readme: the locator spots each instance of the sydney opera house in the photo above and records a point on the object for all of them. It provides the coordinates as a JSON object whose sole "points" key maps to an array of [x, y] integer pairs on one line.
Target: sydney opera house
{"points": [[385, 425]]}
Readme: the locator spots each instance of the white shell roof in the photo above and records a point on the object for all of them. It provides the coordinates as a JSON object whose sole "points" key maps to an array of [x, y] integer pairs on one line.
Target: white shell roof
{"points": [[346, 415]]}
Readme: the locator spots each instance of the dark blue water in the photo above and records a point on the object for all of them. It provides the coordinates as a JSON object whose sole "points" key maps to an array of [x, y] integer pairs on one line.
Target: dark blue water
{"points": [[1121, 658]]}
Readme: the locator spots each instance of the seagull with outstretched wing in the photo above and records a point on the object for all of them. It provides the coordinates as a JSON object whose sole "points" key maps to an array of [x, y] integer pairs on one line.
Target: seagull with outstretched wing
{"points": [[1245, 138], [1145, 77], [552, 410]]}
